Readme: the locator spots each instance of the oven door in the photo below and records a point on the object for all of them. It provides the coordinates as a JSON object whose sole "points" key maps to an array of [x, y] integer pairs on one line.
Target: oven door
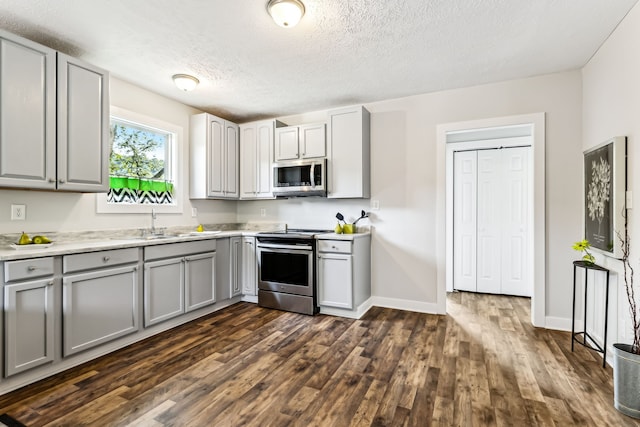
{"points": [[285, 268]]}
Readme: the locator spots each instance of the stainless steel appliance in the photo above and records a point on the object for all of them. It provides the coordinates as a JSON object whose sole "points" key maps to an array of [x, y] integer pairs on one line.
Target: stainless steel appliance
{"points": [[300, 178], [287, 270]]}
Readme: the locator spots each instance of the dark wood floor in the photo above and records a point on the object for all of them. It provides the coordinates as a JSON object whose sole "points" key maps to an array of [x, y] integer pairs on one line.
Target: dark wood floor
{"points": [[484, 364]]}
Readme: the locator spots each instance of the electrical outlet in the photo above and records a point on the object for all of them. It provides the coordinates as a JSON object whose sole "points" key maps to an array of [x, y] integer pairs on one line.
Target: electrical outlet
{"points": [[263, 212], [375, 205], [18, 212], [194, 212]]}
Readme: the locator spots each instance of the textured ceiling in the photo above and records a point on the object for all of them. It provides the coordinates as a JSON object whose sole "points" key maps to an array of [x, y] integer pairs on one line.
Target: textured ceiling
{"points": [[342, 52]]}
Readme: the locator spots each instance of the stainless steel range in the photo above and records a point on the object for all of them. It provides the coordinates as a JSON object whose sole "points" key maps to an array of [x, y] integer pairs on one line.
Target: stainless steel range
{"points": [[287, 270]]}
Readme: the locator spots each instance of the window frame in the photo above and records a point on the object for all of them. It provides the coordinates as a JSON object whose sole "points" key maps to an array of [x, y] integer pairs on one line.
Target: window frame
{"points": [[102, 206]]}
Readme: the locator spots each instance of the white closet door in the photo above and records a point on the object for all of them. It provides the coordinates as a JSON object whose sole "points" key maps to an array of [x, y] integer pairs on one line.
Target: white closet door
{"points": [[491, 221], [515, 222], [464, 238], [490, 212]]}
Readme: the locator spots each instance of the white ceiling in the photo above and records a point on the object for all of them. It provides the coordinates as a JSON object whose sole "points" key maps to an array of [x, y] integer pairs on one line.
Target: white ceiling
{"points": [[342, 52]]}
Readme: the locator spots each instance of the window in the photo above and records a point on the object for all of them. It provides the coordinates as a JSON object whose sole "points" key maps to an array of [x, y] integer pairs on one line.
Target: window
{"points": [[142, 165]]}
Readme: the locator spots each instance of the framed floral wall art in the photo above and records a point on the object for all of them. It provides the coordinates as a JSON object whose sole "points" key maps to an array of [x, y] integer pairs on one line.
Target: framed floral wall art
{"points": [[605, 176]]}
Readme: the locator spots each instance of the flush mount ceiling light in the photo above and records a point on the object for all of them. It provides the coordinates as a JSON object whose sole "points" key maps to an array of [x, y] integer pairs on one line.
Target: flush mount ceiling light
{"points": [[286, 13], [185, 82]]}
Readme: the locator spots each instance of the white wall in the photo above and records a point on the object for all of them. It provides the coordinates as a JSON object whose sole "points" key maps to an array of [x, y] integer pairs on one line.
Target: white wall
{"points": [[611, 107], [403, 158], [54, 211]]}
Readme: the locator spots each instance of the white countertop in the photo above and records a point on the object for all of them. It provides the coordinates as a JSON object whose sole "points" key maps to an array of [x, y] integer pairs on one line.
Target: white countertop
{"points": [[7, 253], [334, 236]]}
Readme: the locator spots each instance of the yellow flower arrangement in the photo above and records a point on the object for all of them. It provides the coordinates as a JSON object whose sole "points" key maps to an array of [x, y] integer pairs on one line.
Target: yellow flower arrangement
{"points": [[583, 246]]}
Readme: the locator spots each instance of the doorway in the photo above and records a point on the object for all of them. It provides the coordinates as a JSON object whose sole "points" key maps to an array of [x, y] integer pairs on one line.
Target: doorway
{"points": [[486, 130], [491, 218]]}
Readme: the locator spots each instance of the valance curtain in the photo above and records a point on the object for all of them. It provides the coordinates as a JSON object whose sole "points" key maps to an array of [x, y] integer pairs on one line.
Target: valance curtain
{"points": [[139, 190]]}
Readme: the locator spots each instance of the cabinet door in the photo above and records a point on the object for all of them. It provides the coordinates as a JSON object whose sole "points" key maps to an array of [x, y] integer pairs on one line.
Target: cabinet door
{"points": [[286, 144], [248, 161], [29, 325], [236, 266], [232, 152], [313, 141], [200, 282], [335, 280], [349, 153], [264, 159], [249, 266], [83, 126], [223, 269], [163, 290], [99, 306], [27, 114], [216, 162]]}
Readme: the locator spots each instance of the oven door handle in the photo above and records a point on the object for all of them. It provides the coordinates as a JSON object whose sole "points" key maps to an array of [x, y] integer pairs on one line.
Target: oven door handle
{"points": [[285, 248]]}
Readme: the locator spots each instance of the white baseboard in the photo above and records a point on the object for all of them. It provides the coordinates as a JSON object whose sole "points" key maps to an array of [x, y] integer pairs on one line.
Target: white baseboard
{"points": [[561, 324], [351, 314], [403, 304], [250, 298]]}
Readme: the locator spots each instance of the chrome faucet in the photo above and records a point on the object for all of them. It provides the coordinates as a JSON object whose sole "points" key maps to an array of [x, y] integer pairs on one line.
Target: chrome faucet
{"points": [[153, 221]]}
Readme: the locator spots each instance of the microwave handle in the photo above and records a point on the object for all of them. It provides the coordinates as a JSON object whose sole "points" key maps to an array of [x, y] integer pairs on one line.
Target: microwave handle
{"points": [[312, 170]]}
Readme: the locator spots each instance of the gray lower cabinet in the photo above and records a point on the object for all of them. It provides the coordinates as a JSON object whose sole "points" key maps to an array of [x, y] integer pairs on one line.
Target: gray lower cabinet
{"points": [[249, 266], [29, 313], [163, 290], [200, 284], [99, 306], [236, 266], [344, 274], [178, 278], [29, 325]]}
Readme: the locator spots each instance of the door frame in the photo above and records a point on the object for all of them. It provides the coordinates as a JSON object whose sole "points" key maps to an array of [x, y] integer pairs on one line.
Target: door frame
{"points": [[444, 205]]}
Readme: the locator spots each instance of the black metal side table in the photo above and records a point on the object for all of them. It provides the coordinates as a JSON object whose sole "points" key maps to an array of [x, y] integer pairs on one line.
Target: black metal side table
{"points": [[575, 335]]}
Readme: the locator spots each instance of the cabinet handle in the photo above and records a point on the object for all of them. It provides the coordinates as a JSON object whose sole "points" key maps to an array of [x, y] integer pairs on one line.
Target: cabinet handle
{"points": [[50, 283], [61, 181], [106, 259], [51, 180], [32, 268]]}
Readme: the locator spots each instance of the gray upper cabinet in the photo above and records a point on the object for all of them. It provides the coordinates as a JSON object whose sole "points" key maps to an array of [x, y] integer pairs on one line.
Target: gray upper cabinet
{"points": [[215, 155], [51, 138], [300, 142], [256, 157], [349, 153], [83, 126], [27, 114]]}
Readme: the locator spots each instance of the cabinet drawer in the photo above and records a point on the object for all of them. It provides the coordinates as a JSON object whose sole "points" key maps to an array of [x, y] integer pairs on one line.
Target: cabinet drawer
{"points": [[335, 246], [93, 260], [28, 269], [172, 250]]}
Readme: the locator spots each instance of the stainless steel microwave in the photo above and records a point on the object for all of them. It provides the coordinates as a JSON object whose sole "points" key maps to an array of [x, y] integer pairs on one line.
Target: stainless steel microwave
{"points": [[300, 178]]}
